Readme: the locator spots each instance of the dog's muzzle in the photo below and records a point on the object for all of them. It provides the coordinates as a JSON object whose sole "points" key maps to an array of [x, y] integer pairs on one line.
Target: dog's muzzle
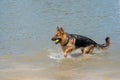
{"points": [[56, 40]]}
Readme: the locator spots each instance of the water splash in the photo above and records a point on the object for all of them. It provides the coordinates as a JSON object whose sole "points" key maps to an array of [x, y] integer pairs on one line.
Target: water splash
{"points": [[58, 56]]}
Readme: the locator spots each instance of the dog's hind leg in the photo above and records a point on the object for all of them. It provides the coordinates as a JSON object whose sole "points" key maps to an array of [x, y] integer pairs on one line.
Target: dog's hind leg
{"points": [[88, 49], [84, 50]]}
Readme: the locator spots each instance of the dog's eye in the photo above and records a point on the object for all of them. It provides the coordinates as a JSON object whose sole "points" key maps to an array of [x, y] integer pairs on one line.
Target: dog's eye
{"points": [[57, 34]]}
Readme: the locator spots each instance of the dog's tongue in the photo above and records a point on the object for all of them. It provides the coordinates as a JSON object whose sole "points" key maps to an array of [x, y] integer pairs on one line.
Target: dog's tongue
{"points": [[56, 41]]}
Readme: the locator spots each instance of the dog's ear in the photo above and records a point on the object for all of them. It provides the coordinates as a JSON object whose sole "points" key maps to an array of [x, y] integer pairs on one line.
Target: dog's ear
{"points": [[58, 28], [61, 30]]}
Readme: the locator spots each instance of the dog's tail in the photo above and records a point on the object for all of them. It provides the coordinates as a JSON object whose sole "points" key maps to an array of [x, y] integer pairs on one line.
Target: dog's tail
{"points": [[105, 45]]}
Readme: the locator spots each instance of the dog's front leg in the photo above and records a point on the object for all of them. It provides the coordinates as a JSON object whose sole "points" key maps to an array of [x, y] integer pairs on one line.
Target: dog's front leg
{"points": [[67, 50]]}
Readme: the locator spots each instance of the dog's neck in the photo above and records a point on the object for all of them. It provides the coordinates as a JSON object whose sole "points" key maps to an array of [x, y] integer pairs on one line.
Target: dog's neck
{"points": [[65, 42]]}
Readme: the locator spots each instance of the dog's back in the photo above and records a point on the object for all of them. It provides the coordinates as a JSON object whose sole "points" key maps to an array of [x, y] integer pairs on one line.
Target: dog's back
{"points": [[82, 41]]}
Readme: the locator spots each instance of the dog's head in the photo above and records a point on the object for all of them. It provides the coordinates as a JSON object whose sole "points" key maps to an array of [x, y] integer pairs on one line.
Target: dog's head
{"points": [[59, 35]]}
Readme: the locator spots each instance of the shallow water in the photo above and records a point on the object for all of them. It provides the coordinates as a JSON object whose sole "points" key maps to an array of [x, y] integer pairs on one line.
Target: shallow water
{"points": [[26, 49]]}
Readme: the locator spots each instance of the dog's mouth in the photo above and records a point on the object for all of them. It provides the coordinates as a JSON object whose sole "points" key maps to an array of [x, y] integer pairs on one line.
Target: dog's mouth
{"points": [[56, 40]]}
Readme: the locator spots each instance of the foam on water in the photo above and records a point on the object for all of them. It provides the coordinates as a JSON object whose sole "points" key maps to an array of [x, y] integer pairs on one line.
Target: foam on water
{"points": [[75, 54], [58, 56]]}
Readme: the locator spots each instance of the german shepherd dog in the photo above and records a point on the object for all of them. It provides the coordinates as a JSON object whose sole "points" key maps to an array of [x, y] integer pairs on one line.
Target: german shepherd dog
{"points": [[70, 42]]}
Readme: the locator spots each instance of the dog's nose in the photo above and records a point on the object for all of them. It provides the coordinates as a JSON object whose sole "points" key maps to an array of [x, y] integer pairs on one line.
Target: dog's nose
{"points": [[53, 39]]}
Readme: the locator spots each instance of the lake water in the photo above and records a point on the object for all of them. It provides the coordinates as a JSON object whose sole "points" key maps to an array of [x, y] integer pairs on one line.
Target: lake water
{"points": [[26, 49]]}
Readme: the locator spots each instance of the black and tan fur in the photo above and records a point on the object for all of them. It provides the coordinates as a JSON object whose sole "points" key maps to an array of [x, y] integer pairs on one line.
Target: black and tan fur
{"points": [[70, 42]]}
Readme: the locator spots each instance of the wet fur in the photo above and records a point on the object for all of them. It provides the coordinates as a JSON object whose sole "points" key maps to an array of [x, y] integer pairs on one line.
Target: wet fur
{"points": [[70, 42]]}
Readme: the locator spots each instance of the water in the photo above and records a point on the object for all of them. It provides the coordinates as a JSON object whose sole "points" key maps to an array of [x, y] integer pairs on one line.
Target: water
{"points": [[26, 49]]}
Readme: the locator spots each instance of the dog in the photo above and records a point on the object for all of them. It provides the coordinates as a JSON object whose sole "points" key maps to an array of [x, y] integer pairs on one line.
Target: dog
{"points": [[70, 42]]}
